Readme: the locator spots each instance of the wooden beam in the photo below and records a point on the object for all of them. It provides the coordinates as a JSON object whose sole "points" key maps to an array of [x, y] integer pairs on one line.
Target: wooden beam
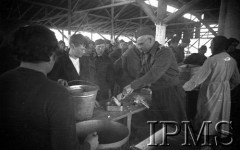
{"points": [[107, 6], [80, 18], [58, 30], [49, 18], [19, 18], [141, 15], [119, 13], [36, 13], [94, 24], [80, 24], [136, 18], [181, 11], [45, 5], [75, 5], [123, 29], [146, 8], [83, 11], [207, 26], [52, 19], [105, 9], [203, 22], [98, 33]]}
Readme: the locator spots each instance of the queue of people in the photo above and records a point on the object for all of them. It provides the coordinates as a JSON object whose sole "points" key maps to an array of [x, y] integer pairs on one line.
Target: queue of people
{"points": [[38, 106]]}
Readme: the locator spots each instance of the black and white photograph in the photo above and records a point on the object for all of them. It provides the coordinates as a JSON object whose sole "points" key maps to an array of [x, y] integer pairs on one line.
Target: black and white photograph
{"points": [[120, 74]]}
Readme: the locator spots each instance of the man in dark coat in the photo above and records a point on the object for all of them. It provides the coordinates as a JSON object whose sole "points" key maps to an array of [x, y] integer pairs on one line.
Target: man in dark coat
{"points": [[197, 58], [104, 70], [74, 65]]}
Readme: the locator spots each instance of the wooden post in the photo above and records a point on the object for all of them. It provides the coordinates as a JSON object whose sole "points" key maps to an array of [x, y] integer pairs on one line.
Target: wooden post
{"points": [[112, 22], [147, 10], [222, 14], [229, 19], [92, 35], [63, 34], [160, 26], [69, 17]]}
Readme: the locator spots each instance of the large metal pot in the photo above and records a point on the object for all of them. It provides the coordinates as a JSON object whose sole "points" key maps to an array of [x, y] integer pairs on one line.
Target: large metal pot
{"points": [[111, 134], [84, 96]]}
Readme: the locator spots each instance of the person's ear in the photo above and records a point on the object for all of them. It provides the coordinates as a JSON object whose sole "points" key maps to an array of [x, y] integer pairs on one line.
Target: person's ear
{"points": [[72, 45], [52, 58], [151, 40]]}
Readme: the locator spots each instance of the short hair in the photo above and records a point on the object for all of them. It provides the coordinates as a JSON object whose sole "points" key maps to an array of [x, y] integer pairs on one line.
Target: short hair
{"points": [[232, 40], [77, 40], [129, 42], [220, 44], [175, 39], [121, 41], [34, 43], [186, 40], [61, 42], [107, 41], [203, 47]]}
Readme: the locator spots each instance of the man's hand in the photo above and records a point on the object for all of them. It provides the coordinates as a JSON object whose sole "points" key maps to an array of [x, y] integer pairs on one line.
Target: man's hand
{"points": [[189, 86], [127, 90], [62, 82], [92, 139], [97, 104]]}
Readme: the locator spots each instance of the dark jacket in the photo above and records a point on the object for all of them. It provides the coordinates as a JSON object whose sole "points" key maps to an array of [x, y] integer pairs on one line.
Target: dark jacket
{"points": [[195, 59], [105, 76], [160, 69], [115, 54], [64, 69], [36, 113], [128, 66], [178, 53]]}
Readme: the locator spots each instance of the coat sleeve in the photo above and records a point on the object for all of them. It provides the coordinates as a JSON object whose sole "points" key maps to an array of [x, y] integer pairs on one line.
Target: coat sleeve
{"points": [[163, 60], [200, 76], [235, 79], [56, 73], [62, 122], [110, 75]]}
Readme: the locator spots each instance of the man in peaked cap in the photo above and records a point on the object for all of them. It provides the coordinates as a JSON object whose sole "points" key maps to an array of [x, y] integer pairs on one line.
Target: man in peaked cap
{"points": [[159, 71]]}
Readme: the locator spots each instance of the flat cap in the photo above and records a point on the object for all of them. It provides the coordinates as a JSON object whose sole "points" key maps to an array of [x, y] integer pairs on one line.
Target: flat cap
{"points": [[144, 31], [107, 41], [99, 41]]}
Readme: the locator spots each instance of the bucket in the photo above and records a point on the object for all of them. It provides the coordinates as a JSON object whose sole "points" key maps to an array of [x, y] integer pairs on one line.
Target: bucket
{"points": [[111, 134], [84, 96]]}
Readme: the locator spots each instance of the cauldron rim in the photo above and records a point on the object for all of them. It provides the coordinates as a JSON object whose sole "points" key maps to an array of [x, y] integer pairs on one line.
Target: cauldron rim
{"points": [[114, 144]]}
